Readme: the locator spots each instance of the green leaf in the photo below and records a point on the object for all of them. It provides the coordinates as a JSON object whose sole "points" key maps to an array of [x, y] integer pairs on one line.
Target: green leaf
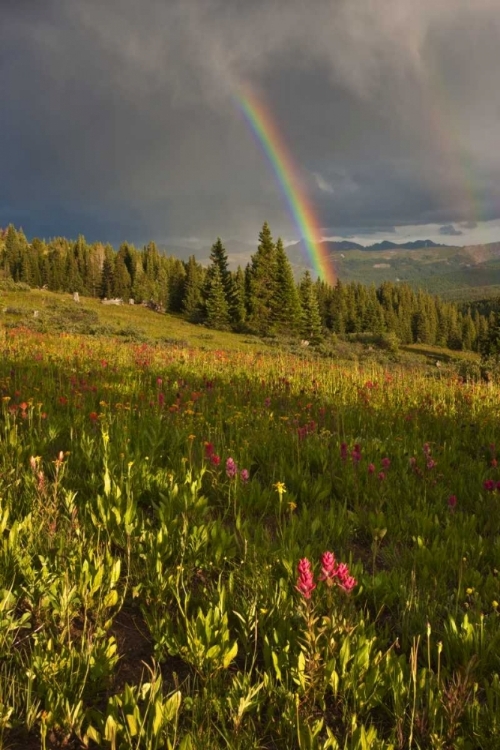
{"points": [[230, 655], [132, 725], [111, 598], [171, 707]]}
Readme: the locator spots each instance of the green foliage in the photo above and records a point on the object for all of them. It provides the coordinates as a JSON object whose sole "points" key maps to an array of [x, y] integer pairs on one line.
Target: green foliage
{"points": [[216, 305], [149, 584], [310, 328], [261, 286]]}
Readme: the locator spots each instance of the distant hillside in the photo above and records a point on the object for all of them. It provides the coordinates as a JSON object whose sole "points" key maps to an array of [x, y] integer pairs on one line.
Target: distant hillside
{"points": [[456, 272], [416, 245]]}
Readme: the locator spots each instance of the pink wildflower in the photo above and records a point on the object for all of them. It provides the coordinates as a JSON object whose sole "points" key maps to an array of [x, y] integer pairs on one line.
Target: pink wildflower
{"points": [[356, 454], [231, 468], [345, 579], [452, 501], [215, 459], [489, 485], [244, 475], [381, 476], [305, 581], [371, 468], [328, 568], [386, 462]]}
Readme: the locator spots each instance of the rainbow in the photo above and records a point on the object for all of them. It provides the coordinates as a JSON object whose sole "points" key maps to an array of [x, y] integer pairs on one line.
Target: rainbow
{"points": [[261, 122]]}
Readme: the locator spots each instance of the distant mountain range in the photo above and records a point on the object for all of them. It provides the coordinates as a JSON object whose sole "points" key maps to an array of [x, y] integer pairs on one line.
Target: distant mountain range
{"points": [[384, 245]]}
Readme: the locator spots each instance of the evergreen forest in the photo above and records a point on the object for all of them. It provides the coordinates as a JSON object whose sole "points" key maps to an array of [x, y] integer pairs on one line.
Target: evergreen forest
{"points": [[263, 298]]}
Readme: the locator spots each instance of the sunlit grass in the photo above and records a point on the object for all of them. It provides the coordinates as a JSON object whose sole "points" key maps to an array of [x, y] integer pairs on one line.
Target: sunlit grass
{"points": [[156, 497]]}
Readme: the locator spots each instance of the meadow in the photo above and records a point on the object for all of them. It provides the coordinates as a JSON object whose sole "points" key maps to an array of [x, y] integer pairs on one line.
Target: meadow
{"points": [[233, 546]]}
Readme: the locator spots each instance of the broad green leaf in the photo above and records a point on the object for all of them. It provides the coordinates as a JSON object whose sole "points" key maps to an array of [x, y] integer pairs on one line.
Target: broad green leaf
{"points": [[230, 655]]}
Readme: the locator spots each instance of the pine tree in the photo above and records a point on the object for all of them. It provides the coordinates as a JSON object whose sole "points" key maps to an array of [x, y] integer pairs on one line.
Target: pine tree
{"points": [[192, 303], [13, 253], [311, 328], [338, 309], [262, 286], [240, 312], [217, 310], [107, 280], [218, 257], [286, 309], [121, 279], [468, 332], [176, 283]]}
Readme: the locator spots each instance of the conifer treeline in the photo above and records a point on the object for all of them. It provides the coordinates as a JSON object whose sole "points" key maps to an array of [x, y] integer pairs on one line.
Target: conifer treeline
{"points": [[263, 298]]}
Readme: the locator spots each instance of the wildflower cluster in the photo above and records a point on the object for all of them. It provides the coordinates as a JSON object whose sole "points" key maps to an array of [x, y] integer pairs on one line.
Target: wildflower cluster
{"points": [[232, 470], [332, 573], [355, 453], [490, 485]]}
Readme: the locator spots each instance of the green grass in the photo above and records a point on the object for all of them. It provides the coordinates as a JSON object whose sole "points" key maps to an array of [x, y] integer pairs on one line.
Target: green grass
{"points": [[148, 594]]}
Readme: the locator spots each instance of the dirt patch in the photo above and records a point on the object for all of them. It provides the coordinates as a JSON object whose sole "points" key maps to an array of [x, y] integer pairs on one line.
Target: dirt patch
{"points": [[134, 646]]}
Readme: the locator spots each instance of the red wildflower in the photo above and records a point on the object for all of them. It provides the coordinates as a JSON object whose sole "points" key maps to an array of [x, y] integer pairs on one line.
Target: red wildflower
{"points": [[328, 568], [305, 581]]}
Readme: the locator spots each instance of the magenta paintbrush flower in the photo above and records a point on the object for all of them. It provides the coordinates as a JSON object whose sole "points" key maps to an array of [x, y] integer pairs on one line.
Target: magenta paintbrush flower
{"points": [[305, 581], [344, 579], [231, 468], [328, 568]]}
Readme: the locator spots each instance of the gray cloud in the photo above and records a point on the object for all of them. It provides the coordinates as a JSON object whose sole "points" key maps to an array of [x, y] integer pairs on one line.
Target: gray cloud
{"points": [[450, 231], [119, 118]]}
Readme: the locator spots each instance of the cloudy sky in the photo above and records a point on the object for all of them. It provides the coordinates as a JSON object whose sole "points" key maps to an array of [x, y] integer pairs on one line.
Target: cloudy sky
{"points": [[118, 118]]}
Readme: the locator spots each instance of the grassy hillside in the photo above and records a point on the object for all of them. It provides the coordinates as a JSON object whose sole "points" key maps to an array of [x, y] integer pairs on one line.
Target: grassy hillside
{"points": [[49, 312], [455, 272]]}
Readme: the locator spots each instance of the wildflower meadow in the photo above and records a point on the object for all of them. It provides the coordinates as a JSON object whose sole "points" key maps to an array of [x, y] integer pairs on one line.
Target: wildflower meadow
{"points": [[206, 548]]}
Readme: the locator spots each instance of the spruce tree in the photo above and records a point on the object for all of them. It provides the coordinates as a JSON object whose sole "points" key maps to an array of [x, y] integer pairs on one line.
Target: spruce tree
{"points": [[240, 313], [286, 309], [311, 328], [338, 309], [107, 282], [216, 307], [122, 283], [262, 285], [192, 303]]}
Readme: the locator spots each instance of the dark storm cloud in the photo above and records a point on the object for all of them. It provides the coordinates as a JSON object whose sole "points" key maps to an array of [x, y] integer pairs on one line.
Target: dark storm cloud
{"points": [[448, 230], [118, 119]]}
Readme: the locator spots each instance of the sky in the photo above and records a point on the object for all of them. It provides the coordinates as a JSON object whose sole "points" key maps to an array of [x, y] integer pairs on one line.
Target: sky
{"points": [[119, 119]]}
